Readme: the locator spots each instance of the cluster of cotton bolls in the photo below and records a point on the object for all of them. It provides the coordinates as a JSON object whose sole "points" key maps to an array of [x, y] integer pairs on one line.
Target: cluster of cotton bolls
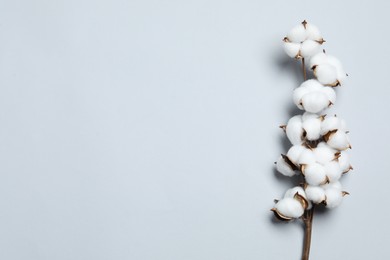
{"points": [[319, 141]]}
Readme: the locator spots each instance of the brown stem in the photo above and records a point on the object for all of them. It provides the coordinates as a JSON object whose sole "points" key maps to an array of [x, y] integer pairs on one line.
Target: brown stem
{"points": [[308, 221], [304, 69]]}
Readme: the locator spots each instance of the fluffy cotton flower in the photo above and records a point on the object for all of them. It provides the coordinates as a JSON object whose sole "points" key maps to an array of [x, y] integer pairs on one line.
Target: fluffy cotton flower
{"points": [[327, 69], [334, 197], [324, 153], [294, 153], [284, 167], [312, 128], [303, 41], [338, 140], [344, 162], [306, 157], [333, 171], [294, 130], [315, 174], [313, 97], [316, 194], [288, 208], [331, 123]]}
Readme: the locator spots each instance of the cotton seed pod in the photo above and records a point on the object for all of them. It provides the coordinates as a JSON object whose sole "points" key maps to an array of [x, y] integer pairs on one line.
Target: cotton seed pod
{"points": [[308, 115], [321, 59], [310, 48], [288, 208], [332, 185], [338, 140], [297, 34], [294, 130], [306, 157], [307, 36], [326, 74], [344, 162], [341, 75], [315, 194], [315, 102], [333, 197], [306, 87], [292, 49], [333, 171], [324, 153], [315, 174], [298, 193], [312, 128], [330, 93], [284, 167], [294, 153], [313, 33], [330, 123]]}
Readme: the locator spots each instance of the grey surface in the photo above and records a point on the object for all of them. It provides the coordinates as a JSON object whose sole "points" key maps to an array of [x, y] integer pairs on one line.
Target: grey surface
{"points": [[147, 130]]}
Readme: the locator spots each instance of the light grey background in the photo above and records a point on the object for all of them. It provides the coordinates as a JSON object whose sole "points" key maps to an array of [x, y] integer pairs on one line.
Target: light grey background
{"points": [[147, 130]]}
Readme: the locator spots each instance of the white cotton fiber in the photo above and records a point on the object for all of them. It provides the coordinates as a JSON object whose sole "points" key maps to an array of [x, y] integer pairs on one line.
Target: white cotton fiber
{"points": [[294, 129], [310, 48], [315, 194], [292, 48], [289, 207], [330, 93], [319, 58], [312, 127], [314, 174], [341, 75], [284, 168], [333, 171], [294, 153], [298, 93], [326, 74], [330, 123], [306, 157], [308, 115], [344, 161], [339, 140], [334, 197], [324, 153], [315, 102], [332, 185], [290, 193], [313, 33], [297, 34]]}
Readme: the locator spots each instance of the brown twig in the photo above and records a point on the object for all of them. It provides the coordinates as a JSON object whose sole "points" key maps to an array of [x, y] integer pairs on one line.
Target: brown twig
{"points": [[308, 222]]}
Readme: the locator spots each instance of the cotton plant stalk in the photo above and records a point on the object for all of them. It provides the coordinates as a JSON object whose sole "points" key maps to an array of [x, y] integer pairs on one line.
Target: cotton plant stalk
{"points": [[319, 142]]}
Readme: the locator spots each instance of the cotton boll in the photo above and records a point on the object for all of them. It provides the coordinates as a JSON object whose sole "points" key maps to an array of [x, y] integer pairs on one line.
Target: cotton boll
{"points": [[290, 193], [284, 168], [314, 174], [292, 49], [319, 58], [330, 123], [294, 153], [326, 74], [308, 115], [315, 194], [338, 140], [315, 102], [341, 75], [306, 157], [309, 48], [312, 85], [333, 171], [312, 127], [294, 129], [324, 153], [330, 93], [313, 33], [297, 34], [334, 197], [289, 208], [344, 161], [332, 185]]}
